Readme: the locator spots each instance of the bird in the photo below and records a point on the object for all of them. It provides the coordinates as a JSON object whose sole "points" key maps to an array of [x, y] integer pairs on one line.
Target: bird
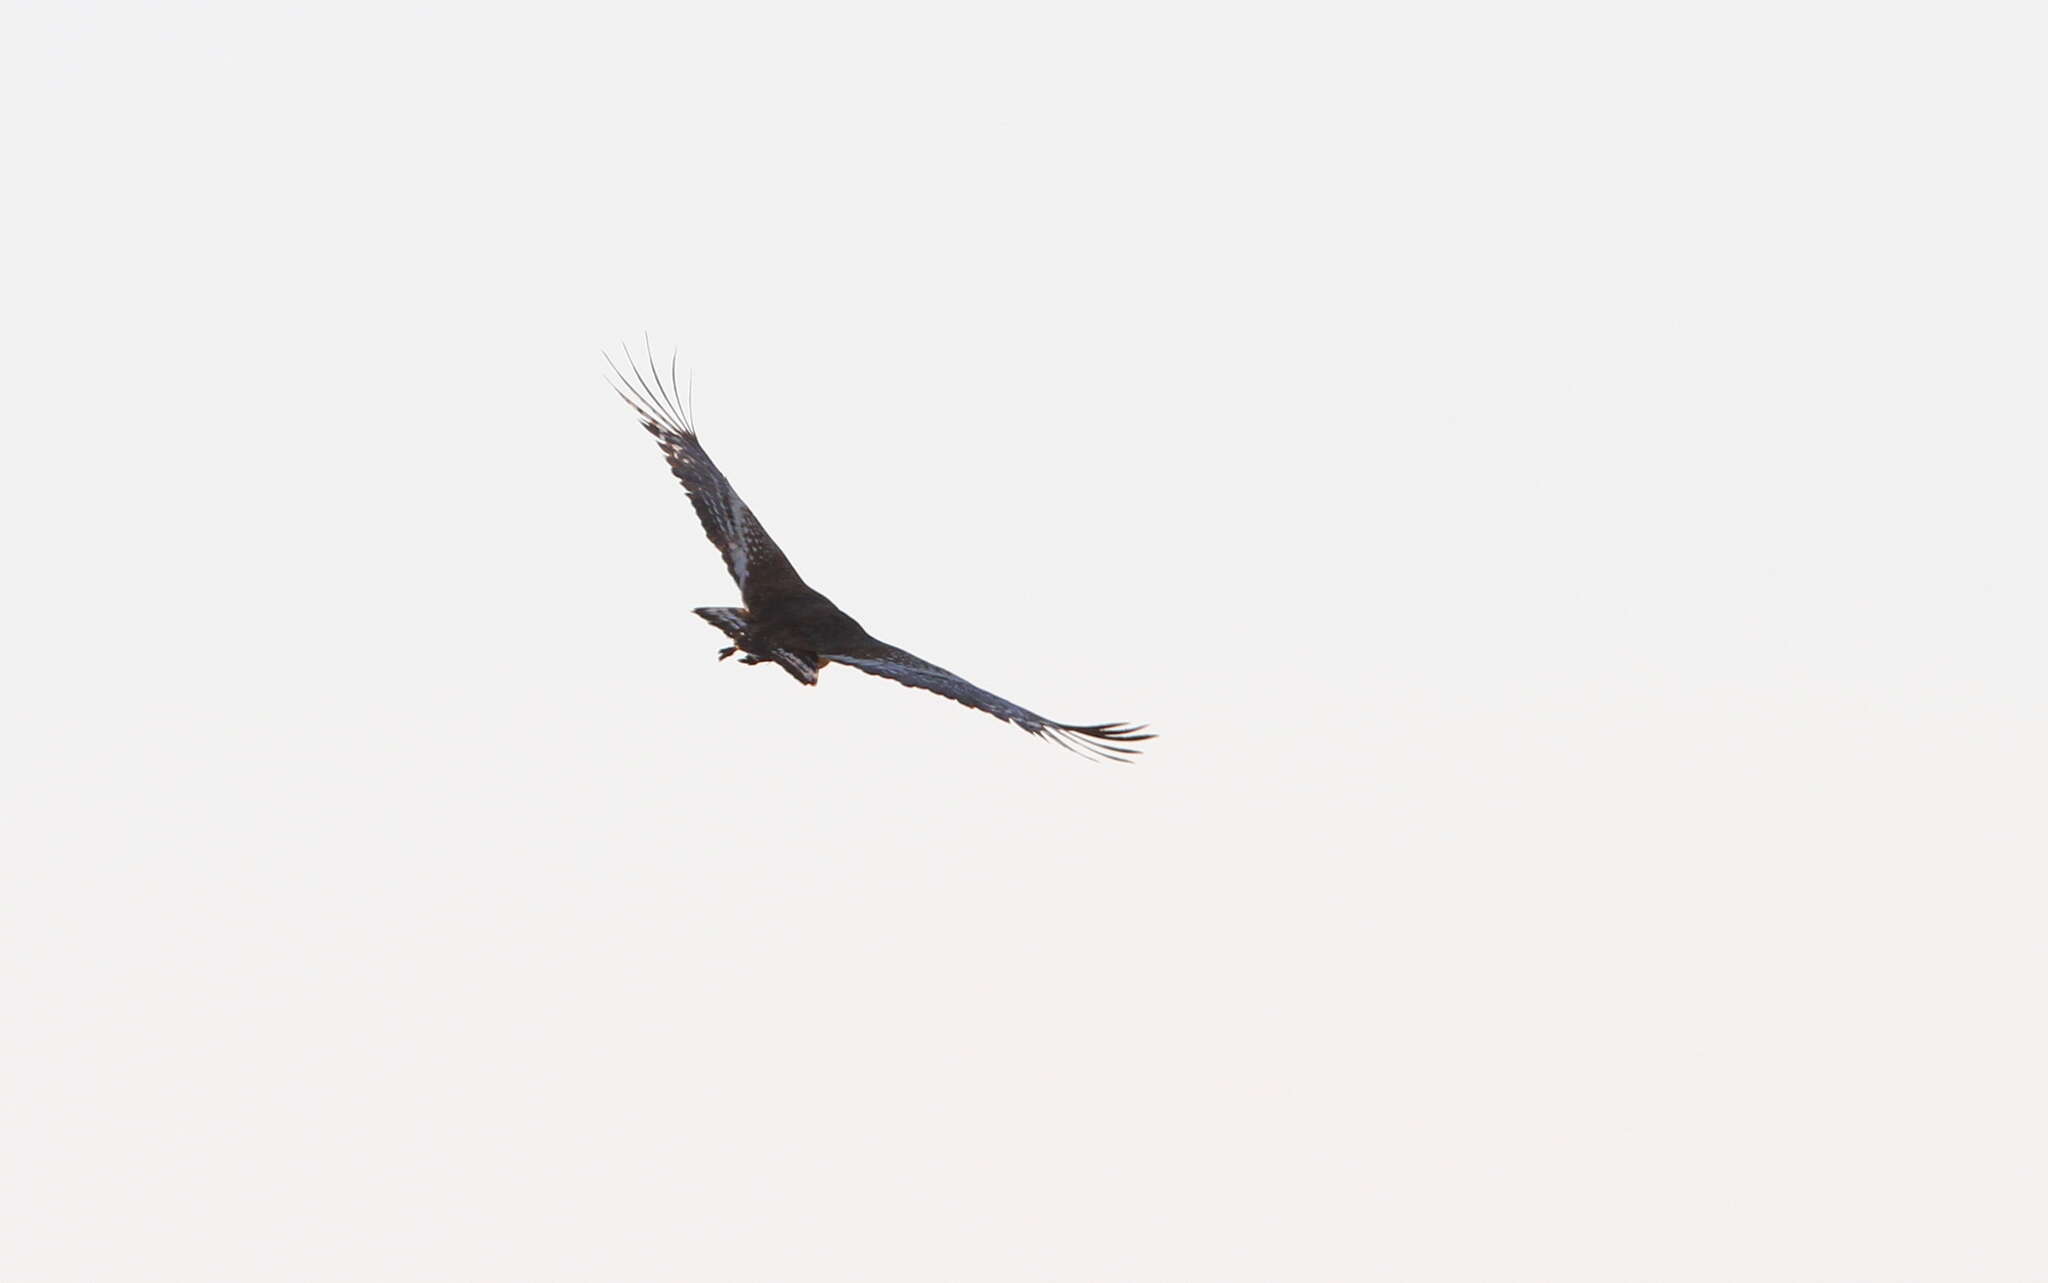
{"points": [[784, 620]]}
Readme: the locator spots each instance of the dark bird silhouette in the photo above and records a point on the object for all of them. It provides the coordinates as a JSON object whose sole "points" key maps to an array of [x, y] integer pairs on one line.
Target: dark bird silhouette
{"points": [[786, 621]]}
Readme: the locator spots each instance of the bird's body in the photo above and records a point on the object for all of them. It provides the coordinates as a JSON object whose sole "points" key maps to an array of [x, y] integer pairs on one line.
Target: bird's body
{"points": [[787, 622], [796, 629]]}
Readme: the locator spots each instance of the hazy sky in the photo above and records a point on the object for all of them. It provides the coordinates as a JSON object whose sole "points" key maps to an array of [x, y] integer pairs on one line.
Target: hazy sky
{"points": [[1565, 483]]}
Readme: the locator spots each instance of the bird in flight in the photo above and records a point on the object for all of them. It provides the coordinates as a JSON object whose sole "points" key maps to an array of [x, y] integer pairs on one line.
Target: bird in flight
{"points": [[784, 620]]}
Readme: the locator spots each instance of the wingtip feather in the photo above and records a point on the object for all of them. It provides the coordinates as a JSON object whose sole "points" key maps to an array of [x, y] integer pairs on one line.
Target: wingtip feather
{"points": [[1105, 741], [657, 405]]}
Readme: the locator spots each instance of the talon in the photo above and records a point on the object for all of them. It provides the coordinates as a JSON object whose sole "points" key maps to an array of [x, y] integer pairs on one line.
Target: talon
{"points": [[727, 652]]}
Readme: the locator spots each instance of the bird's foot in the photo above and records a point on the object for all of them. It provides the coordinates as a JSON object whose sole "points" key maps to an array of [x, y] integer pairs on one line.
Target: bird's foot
{"points": [[727, 652]]}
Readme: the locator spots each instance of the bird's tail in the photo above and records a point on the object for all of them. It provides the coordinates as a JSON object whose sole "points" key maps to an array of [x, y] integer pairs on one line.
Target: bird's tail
{"points": [[732, 621]]}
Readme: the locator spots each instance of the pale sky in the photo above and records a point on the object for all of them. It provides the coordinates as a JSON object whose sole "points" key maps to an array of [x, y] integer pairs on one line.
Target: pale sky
{"points": [[1565, 484]]}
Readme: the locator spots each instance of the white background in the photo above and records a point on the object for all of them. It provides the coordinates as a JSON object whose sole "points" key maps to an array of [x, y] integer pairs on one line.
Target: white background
{"points": [[1563, 481]]}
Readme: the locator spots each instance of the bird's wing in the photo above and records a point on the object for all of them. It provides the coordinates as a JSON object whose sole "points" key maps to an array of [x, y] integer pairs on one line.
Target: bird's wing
{"points": [[1109, 741], [757, 565]]}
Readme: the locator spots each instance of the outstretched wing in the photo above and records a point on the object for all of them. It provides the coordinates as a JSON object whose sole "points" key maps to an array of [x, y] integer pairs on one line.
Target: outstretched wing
{"points": [[1109, 741], [757, 565]]}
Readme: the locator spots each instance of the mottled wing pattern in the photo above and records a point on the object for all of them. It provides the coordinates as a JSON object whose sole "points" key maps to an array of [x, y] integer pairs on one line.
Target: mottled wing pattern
{"points": [[1110, 740], [757, 565]]}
